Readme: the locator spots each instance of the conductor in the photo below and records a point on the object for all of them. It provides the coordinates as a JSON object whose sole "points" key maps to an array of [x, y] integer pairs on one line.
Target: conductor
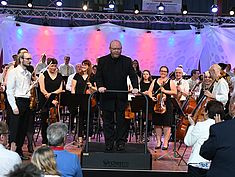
{"points": [[112, 72]]}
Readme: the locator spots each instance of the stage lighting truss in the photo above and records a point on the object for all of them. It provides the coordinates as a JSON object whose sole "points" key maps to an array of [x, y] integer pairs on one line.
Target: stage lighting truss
{"points": [[78, 14]]}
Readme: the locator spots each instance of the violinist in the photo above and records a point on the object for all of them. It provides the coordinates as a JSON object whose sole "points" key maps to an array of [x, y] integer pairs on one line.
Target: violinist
{"points": [[83, 85], [194, 78], [220, 88], [182, 85], [198, 133], [165, 86], [50, 83]]}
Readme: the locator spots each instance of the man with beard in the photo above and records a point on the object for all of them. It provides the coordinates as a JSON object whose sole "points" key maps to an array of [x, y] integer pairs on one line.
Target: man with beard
{"points": [[18, 84]]}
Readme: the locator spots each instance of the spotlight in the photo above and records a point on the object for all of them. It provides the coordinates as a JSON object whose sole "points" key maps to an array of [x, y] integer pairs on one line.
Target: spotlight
{"points": [[59, 3], [136, 9], [214, 8], [161, 7], [30, 3], [111, 4], [4, 3], [184, 9], [85, 6], [232, 11]]}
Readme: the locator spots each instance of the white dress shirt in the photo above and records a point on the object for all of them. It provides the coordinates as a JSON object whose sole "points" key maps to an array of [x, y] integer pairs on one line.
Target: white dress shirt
{"points": [[7, 160], [18, 85], [221, 90], [184, 86], [69, 82], [195, 137], [66, 70]]}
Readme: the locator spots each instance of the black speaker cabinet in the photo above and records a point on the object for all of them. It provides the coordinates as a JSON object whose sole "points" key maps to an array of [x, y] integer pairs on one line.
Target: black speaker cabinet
{"points": [[132, 158]]}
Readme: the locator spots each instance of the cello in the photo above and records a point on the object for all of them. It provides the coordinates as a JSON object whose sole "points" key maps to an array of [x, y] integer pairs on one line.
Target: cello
{"points": [[197, 115]]}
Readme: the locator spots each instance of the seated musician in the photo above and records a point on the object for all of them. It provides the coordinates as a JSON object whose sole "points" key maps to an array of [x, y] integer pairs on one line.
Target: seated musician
{"points": [[50, 82], [197, 133], [83, 85]]}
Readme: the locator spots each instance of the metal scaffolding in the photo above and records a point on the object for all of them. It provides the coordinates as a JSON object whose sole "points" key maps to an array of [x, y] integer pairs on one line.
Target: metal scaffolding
{"points": [[78, 14]]}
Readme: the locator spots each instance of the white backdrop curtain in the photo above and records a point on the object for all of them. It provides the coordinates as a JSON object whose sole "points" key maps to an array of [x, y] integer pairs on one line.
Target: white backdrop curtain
{"points": [[152, 50]]}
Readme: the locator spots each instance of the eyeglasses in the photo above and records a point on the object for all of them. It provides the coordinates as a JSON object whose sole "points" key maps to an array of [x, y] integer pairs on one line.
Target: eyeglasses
{"points": [[27, 58], [207, 77], [116, 48]]}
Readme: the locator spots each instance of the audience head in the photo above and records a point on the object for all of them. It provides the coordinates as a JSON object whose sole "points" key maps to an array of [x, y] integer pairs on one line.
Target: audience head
{"points": [[25, 170], [115, 48], [44, 159], [3, 133], [56, 134], [214, 107]]}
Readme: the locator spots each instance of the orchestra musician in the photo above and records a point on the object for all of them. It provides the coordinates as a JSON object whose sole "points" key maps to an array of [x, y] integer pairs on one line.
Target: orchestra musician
{"points": [[164, 87], [182, 85], [18, 83], [206, 83], [83, 85], [220, 88], [50, 83]]}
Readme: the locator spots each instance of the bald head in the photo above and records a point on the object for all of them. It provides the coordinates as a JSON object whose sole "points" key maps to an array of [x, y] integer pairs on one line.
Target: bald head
{"points": [[215, 71], [115, 48]]}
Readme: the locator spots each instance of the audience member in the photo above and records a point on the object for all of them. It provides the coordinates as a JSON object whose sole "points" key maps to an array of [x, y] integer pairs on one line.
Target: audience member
{"points": [[25, 170], [7, 158], [220, 147], [68, 164], [44, 159]]}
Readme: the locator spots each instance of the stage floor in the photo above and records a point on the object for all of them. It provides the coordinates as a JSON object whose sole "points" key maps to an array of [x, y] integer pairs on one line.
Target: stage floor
{"points": [[168, 161]]}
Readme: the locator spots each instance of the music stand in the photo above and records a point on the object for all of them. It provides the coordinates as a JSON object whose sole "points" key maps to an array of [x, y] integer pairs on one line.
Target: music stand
{"points": [[138, 104], [178, 112]]}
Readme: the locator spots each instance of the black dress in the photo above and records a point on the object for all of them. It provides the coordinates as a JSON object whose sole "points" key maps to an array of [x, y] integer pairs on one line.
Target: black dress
{"points": [[51, 85], [80, 91], [165, 119]]}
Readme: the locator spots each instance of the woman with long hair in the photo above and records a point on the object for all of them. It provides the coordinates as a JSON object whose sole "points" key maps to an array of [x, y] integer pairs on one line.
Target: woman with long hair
{"points": [[44, 159], [83, 85]]}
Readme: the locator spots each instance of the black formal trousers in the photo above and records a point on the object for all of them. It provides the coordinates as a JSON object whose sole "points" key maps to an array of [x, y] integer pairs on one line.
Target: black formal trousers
{"points": [[18, 123], [121, 126]]}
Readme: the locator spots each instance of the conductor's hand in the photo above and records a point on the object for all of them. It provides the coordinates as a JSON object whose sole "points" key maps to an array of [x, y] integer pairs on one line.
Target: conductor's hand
{"points": [[102, 89], [135, 91], [190, 119]]}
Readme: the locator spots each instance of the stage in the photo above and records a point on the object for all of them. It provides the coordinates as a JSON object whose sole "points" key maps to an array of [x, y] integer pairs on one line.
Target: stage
{"points": [[166, 166]]}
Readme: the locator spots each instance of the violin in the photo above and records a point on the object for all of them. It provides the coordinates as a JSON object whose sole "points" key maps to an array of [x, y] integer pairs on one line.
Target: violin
{"points": [[179, 94], [33, 99], [160, 106], [128, 113], [89, 91], [54, 112]]}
